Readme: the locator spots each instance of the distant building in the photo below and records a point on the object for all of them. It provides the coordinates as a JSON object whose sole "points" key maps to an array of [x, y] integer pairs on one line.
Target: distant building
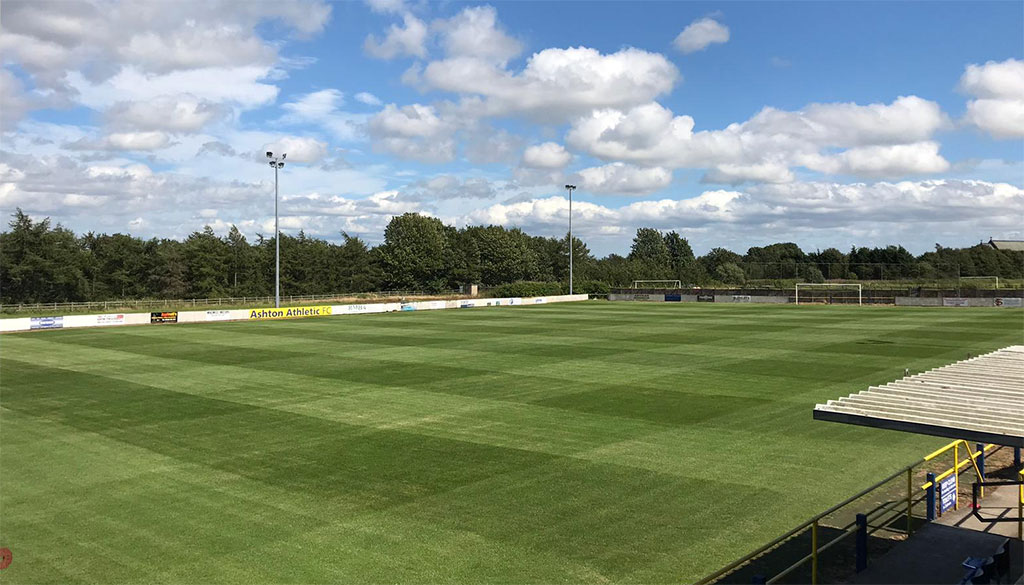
{"points": [[1012, 245]]}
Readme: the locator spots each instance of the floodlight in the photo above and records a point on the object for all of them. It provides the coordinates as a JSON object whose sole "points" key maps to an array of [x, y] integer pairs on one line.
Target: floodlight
{"points": [[284, 156], [269, 154]]}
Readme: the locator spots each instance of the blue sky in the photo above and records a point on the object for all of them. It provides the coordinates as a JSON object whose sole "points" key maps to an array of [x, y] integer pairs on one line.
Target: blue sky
{"points": [[738, 124]]}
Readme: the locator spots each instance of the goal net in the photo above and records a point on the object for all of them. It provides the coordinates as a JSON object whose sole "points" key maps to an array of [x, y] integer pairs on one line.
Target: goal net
{"points": [[657, 284], [828, 294]]}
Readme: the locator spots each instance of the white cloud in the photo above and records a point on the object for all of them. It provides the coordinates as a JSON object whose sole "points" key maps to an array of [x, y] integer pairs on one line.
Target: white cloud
{"points": [[167, 204], [734, 174], [323, 109], [913, 213], [415, 131], [621, 178], [548, 155], [137, 141], [701, 33], [408, 39], [316, 104], [474, 32], [243, 86], [179, 113], [999, 87], [771, 141], [387, 6], [883, 161], [994, 79], [556, 84], [14, 102], [299, 149], [367, 98], [52, 39]]}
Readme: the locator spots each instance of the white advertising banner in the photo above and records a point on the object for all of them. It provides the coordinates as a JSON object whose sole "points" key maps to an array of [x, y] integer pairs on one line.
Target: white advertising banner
{"points": [[113, 319]]}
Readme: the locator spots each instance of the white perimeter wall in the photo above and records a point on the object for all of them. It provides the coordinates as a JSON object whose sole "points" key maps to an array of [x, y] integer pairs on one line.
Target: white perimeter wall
{"points": [[114, 319]]}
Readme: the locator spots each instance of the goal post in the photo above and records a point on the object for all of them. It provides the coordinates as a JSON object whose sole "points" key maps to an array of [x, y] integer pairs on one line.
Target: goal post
{"points": [[807, 285], [675, 283], [995, 278]]}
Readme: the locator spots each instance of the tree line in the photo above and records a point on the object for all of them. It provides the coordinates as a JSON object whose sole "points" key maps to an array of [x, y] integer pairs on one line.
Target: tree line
{"points": [[40, 262]]}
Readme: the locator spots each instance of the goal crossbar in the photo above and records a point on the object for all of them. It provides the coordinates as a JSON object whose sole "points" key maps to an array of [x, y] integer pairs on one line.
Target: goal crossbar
{"points": [[859, 288], [678, 283]]}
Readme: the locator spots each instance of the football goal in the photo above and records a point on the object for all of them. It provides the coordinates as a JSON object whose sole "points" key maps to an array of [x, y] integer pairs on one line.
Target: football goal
{"points": [[823, 293], [977, 278], [657, 284]]}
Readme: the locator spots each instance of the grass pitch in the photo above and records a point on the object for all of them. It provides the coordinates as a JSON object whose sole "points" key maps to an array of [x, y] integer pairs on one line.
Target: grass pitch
{"points": [[583, 442]]}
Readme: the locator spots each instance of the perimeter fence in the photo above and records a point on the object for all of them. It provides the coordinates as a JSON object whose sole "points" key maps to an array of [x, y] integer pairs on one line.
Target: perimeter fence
{"points": [[836, 544], [115, 304]]}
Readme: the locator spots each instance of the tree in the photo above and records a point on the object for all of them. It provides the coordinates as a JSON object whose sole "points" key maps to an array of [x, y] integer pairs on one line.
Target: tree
{"points": [[415, 253], [730, 273], [39, 264], [207, 259], [651, 255], [717, 257]]}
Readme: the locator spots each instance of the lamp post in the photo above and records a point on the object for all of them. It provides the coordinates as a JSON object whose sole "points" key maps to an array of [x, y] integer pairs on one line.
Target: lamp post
{"points": [[276, 163], [570, 188]]}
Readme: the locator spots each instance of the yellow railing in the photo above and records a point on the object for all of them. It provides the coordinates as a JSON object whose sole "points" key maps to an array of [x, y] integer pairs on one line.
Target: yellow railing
{"points": [[972, 459], [814, 523]]}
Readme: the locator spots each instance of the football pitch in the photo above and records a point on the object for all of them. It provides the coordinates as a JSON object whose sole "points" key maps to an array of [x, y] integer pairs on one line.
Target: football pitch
{"points": [[569, 443]]}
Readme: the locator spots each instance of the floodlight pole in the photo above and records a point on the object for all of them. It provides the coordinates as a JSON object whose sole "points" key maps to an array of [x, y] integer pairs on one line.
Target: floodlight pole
{"points": [[277, 163], [570, 188]]}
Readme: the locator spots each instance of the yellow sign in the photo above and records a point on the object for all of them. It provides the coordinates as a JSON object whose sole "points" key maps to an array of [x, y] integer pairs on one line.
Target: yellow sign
{"points": [[289, 312]]}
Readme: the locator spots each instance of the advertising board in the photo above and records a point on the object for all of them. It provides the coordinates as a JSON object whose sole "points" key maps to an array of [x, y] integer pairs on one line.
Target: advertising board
{"points": [[163, 317], [955, 302], [741, 298], [289, 312], [672, 298], [219, 315], [705, 298], [46, 323], [1009, 302], [112, 319], [947, 493]]}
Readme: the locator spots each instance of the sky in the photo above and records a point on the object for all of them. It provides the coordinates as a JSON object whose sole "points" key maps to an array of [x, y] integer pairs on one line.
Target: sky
{"points": [[736, 124]]}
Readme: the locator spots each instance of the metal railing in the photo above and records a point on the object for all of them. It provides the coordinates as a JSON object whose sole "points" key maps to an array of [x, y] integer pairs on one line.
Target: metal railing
{"points": [[217, 301], [896, 506], [980, 486]]}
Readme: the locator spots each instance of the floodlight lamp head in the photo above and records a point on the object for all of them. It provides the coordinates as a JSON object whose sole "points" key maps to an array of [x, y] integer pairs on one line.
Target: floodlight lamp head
{"points": [[284, 156], [271, 163], [280, 165], [270, 154], [570, 187]]}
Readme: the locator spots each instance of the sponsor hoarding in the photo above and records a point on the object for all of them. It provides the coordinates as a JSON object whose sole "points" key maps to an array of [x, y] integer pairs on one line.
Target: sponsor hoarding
{"points": [[113, 319], [163, 317], [289, 312], [955, 302], [220, 315], [705, 298], [741, 298], [674, 298], [1009, 302], [46, 323]]}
